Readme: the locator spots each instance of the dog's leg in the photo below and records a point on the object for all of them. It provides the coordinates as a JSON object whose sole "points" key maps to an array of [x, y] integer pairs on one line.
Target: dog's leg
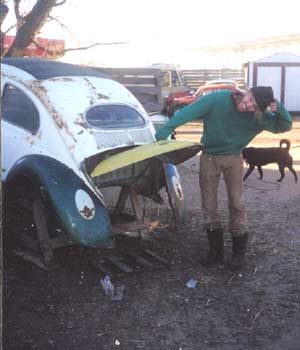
{"points": [[281, 169], [290, 167], [249, 171], [260, 172]]}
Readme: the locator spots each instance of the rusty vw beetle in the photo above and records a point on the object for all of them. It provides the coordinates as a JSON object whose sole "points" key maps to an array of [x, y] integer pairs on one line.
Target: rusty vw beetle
{"points": [[69, 135]]}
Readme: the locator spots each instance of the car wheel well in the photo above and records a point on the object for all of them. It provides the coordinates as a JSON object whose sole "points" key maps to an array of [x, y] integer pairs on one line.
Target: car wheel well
{"points": [[19, 183]]}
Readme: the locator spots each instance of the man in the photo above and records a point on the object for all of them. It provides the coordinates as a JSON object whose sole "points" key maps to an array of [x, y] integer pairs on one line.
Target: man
{"points": [[230, 121]]}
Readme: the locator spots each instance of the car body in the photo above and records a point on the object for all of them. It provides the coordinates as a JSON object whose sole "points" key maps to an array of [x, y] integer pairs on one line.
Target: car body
{"points": [[182, 101], [169, 100], [60, 122]]}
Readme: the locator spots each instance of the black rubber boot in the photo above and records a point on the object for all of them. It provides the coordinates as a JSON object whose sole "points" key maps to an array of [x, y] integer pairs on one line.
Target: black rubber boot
{"points": [[215, 254], [239, 247]]}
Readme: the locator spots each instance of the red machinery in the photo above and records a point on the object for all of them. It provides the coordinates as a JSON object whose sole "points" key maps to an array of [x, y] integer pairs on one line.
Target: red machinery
{"points": [[47, 48]]}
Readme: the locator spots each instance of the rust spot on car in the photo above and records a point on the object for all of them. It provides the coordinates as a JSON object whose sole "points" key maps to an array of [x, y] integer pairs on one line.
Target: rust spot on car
{"points": [[38, 88], [101, 96], [94, 94], [59, 122], [79, 121], [89, 83], [30, 139], [41, 92], [61, 79], [179, 192]]}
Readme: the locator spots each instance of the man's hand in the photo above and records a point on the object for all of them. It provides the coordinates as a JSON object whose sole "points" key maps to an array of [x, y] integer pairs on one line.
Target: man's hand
{"points": [[273, 106]]}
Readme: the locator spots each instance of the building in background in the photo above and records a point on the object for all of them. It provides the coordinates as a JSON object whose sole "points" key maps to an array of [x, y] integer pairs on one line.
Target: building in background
{"points": [[282, 72]]}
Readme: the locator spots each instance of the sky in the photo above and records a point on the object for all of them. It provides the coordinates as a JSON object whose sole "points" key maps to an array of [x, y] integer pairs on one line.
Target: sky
{"points": [[165, 30]]}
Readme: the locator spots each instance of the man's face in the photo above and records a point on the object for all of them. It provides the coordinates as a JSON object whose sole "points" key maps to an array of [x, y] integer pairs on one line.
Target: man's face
{"points": [[247, 103]]}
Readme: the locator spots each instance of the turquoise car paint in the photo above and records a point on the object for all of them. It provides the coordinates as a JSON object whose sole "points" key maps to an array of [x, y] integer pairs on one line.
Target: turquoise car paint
{"points": [[61, 188]]}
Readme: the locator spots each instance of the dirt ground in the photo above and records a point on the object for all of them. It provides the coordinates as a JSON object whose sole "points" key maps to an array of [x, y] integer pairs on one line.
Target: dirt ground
{"points": [[258, 308]]}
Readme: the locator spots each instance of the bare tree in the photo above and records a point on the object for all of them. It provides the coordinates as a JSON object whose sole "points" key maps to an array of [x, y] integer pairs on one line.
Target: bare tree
{"points": [[3, 13], [28, 25]]}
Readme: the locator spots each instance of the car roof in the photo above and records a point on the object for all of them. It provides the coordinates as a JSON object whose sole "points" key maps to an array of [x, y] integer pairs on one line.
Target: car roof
{"points": [[217, 86], [45, 69], [221, 81]]}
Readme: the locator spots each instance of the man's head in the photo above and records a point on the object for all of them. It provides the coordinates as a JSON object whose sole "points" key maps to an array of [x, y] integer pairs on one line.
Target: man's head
{"points": [[257, 98]]}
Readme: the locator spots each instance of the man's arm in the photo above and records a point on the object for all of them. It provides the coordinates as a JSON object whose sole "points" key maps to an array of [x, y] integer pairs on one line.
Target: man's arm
{"points": [[279, 120], [196, 110]]}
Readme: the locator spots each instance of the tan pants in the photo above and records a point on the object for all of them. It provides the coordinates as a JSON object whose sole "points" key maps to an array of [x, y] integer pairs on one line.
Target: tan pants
{"points": [[211, 168]]}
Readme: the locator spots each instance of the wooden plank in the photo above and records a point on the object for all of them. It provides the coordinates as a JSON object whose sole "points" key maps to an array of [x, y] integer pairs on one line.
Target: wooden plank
{"points": [[144, 83], [136, 204], [157, 257], [140, 260], [136, 80], [150, 90], [37, 260], [118, 263], [131, 71], [60, 242], [42, 230], [100, 266], [146, 99], [122, 198]]}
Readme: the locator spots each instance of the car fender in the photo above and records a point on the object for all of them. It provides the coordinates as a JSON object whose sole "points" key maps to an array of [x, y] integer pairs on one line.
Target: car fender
{"points": [[175, 192], [82, 217]]}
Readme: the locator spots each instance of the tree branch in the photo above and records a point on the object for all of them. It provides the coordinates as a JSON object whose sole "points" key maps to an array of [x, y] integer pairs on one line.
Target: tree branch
{"points": [[32, 23], [60, 3], [9, 29], [51, 18], [54, 52], [3, 12], [96, 44], [19, 18]]}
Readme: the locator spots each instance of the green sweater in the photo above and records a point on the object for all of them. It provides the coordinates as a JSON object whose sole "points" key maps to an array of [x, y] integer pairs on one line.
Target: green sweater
{"points": [[225, 129]]}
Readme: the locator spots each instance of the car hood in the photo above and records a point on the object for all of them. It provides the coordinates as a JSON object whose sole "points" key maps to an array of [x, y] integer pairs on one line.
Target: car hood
{"points": [[110, 163], [168, 151]]}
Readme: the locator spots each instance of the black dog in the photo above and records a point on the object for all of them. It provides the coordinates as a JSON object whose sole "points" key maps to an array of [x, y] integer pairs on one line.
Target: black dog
{"points": [[256, 157]]}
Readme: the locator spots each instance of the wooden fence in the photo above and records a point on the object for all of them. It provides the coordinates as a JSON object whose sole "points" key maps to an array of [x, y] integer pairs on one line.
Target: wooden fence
{"points": [[146, 83], [193, 78], [143, 83]]}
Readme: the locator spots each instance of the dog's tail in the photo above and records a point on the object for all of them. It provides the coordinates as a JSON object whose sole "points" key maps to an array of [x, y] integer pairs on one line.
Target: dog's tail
{"points": [[285, 142]]}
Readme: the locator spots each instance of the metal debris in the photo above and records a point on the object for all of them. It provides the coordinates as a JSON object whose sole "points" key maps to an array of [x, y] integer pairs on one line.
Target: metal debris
{"points": [[191, 283], [110, 291]]}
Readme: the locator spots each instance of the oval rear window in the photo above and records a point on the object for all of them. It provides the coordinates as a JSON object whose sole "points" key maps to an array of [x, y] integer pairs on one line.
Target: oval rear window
{"points": [[114, 117]]}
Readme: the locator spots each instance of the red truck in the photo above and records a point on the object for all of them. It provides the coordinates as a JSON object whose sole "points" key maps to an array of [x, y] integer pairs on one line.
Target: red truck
{"points": [[176, 103]]}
